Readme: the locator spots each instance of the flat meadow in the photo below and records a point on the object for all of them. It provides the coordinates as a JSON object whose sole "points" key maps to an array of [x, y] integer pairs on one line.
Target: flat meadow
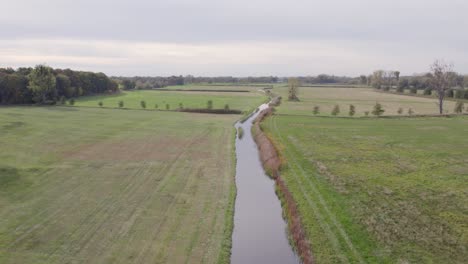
{"points": [[87, 185], [157, 100], [363, 99], [375, 190]]}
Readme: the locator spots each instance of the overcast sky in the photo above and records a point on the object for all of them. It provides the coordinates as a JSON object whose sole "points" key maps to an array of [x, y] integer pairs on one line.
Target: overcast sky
{"points": [[237, 37]]}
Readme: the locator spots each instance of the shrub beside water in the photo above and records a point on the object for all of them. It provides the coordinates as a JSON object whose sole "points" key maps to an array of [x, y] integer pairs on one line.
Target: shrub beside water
{"points": [[240, 132]]}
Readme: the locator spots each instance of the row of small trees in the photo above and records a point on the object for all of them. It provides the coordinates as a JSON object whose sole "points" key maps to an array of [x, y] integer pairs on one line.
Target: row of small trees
{"points": [[378, 110], [120, 104]]}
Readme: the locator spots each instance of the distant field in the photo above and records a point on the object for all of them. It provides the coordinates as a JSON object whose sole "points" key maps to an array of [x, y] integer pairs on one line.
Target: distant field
{"points": [[378, 190], [251, 88], [363, 98], [132, 99], [85, 185]]}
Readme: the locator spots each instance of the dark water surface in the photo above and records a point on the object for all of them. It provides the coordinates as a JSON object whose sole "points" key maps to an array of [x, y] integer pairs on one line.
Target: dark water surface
{"points": [[260, 232]]}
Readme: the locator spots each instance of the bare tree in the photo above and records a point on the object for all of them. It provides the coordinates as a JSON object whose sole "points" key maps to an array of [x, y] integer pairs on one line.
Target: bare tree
{"points": [[293, 86], [441, 79]]}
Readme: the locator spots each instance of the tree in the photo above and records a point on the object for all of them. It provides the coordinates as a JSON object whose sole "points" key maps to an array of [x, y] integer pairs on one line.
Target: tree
{"points": [[336, 110], [168, 107], [143, 104], [226, 107], [42, 84], [316, 110], [128, 84], [410, 112], [363, 79], [400, 111], [121, 104], [402, 85], [397, 76], [459, 106], [72, 101], [441, 80], [378, 109], [100, 103], [63, 84], [377, 79], [352, 110], [293, 87], [209, 104], [181, 106]]}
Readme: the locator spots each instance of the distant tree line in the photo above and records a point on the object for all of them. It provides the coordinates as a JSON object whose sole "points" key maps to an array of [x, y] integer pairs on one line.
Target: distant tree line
{"points": [[442, 81], [45, 85]]}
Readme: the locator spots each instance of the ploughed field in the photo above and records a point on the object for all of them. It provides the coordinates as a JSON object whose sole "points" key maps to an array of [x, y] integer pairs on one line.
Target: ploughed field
{"points": [[363, 99], [157, 100], [86, 185], [376, 190]]}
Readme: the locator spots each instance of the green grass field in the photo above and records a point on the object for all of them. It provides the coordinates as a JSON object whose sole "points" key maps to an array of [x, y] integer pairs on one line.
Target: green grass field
{"points": [[378, 190], [234, 87], [189, 99], [86, 185], [363, 98]]}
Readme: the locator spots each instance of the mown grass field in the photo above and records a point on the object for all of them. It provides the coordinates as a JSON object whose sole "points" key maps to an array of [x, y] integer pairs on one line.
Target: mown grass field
{"points": [[363, 98], [86, 185], [215, 87], [189, 99], [378, 190]]}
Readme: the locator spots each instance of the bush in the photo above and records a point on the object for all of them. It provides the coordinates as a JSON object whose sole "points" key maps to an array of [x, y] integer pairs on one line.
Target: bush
{"points": [[62, 100], [156, 106], [366, 113], [400, 89], [100, 103], [168, 107], [226, 107], [72, 101], [336, 110], [449, 93], [181, 106], [316, 110], [459, 94], [378, 109], [121, 104], [386, 88], [413, 90], [143, 104], [427, 91], [352, 110], [410, 112], [209, 104], [400, 111], [459, 106]]}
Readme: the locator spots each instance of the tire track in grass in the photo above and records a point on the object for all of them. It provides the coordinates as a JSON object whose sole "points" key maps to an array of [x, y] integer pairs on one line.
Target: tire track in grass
{"points": [[46, 215], [174, 165], [161, 185], [322, 201], [210, 205], [105, 206]]}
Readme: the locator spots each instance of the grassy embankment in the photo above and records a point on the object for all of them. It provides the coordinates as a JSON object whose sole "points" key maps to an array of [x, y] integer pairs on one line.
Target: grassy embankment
{"points": [[376, 190]]}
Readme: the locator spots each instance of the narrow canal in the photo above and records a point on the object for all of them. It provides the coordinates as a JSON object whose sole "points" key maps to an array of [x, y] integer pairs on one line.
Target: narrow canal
{"points": [[260, 232]]}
